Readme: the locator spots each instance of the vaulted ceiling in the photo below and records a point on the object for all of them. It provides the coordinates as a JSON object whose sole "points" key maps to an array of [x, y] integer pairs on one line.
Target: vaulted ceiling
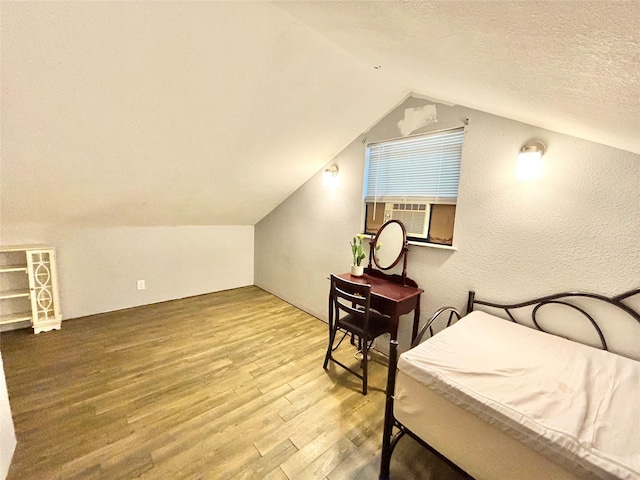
{"points": [[205, 113]]}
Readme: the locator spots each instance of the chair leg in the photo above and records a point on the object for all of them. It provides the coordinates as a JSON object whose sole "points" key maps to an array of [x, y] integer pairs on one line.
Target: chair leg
{"points": [[360, 351], [365, 362], [332, 337]]}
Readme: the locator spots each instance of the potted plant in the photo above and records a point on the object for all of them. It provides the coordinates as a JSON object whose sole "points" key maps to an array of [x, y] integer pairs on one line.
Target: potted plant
{"points": [[357, 269]]}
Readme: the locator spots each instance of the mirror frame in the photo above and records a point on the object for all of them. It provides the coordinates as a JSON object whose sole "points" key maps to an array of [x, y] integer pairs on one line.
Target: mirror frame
{"points": [[403, 250]]}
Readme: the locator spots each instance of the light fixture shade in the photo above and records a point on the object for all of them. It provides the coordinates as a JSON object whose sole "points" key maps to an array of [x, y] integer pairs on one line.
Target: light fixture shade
{"points": [[537, 148], [530, 165], [330, 176]]}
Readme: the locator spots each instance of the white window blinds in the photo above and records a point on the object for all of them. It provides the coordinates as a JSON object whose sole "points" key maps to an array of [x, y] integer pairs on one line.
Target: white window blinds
{"points": [[425, 167]]}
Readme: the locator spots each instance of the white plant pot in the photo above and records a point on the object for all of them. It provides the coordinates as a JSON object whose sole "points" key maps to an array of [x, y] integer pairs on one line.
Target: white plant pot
{"points": [[357, 270]]}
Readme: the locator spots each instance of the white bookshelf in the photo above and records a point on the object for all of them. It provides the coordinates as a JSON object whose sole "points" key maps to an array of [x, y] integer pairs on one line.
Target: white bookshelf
{"points": [[29, 288]]}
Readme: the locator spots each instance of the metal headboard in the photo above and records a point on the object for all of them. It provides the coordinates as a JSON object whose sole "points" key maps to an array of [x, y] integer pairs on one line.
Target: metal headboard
{"points": [[562, 299]]}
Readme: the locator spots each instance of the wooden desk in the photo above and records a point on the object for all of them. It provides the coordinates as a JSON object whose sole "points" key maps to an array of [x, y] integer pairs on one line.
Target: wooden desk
{"points": [[390, 297]]}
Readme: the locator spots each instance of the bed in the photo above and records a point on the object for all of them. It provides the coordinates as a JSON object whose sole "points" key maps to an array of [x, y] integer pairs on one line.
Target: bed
{"points": [[498, 397]]}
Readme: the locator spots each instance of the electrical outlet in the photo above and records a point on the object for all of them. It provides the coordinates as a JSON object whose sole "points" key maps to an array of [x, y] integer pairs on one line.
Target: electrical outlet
{"points": [[141, 285]]}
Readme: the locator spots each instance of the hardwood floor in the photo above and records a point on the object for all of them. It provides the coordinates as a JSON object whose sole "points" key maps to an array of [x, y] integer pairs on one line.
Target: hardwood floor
{"points": [[220, 386]]}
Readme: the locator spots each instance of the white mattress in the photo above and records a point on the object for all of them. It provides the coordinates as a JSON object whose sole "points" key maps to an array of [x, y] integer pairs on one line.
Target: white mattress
{"points": [[479, 448], [577, 404]]}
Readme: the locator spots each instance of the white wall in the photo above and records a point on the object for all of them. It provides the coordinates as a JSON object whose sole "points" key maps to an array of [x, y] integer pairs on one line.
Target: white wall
{"points": [[575, 229], [7, 432], [98, 267]]}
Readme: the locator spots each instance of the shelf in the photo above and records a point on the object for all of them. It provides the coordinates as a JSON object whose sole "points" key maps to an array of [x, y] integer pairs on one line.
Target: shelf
{"points": [[13, 268], [23, 292], [21, 248], [15, 318]]}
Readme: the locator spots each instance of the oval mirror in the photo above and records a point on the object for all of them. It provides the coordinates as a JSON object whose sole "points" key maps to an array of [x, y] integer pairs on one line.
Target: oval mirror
{"points": [[389, 244]]}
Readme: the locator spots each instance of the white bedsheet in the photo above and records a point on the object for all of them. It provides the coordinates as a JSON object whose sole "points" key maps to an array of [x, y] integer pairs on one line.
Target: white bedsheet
{"points": [[575, 403]]}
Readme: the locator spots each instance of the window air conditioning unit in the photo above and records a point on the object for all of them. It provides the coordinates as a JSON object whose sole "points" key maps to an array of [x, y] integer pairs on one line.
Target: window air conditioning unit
{"points": [[414, 216]]}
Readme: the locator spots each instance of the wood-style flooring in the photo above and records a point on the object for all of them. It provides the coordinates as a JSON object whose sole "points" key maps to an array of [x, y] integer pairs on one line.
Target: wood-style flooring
{"points": [[220, 386]]}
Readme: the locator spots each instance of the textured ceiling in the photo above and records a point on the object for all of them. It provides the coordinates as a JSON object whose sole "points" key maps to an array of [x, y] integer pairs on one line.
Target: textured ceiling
{"points": [[569, 66], [197, 113]]}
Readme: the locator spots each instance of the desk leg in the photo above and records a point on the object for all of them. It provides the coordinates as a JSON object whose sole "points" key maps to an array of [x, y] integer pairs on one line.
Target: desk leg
{"points": [[416, 320], [327, 357], [385, 461]]}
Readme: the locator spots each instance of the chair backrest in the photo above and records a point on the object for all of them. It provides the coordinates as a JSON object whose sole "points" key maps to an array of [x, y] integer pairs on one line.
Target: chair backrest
{"points": [[350, 297]]}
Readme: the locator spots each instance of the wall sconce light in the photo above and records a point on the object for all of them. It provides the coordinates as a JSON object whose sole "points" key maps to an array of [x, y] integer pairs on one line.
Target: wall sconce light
{"points": [[530, 165], [330, 176]]}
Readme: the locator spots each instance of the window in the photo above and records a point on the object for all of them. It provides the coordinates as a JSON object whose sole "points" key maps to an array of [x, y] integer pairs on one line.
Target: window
{"points": [[415, 180]]}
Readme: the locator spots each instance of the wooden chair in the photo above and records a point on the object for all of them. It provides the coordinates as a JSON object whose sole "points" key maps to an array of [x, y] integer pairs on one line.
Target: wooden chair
{"points": [[350, 312]]}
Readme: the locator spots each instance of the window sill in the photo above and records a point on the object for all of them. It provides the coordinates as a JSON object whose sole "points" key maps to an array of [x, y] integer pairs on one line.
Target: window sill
{"points": [[433, 245]]}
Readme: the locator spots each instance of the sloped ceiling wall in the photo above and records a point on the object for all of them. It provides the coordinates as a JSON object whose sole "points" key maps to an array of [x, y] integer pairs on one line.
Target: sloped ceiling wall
{"points": [[212, 113], [568, 66], [170, 113]]}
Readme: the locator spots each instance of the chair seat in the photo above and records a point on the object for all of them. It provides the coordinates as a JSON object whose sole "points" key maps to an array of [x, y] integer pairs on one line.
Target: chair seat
{"points": [[378, 324]]}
